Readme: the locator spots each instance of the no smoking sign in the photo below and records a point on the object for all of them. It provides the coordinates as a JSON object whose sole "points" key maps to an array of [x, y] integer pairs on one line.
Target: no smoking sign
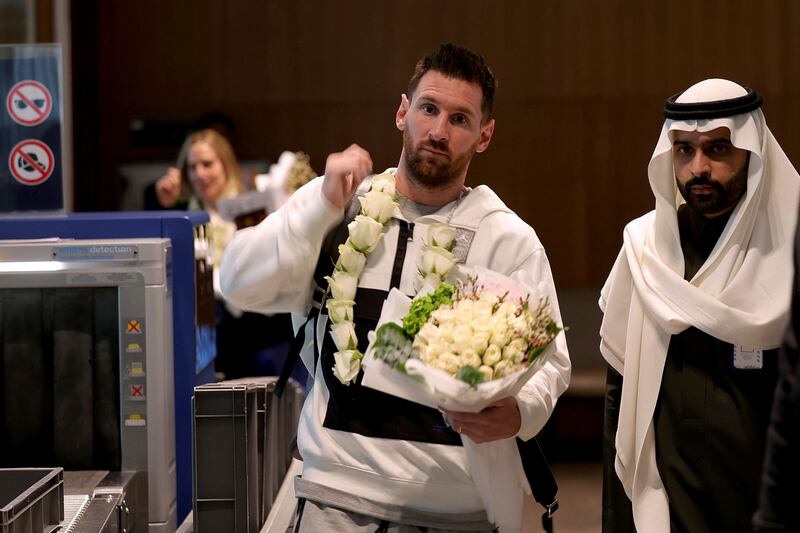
{"points": [[29, 103], [31, 162]]}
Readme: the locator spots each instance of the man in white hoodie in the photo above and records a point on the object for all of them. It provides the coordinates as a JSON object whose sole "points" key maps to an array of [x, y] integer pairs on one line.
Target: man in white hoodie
{"points": [[694, 308], [372, 461]]}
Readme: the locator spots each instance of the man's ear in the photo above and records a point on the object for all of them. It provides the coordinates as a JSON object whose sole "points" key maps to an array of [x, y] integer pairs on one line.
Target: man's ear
{"points": [[486, 136], [402, 109]]}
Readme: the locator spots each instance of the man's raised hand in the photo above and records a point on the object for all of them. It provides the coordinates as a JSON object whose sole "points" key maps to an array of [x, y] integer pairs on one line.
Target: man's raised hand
{"points": [[344, 172]]}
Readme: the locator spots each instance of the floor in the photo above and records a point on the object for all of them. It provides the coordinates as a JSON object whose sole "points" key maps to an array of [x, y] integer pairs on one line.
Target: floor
{"points": [[579, 498], [572, 443]]}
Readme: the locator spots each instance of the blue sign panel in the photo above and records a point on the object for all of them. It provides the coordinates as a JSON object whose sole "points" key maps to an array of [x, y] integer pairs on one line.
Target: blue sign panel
{"points": [[30, 129]]}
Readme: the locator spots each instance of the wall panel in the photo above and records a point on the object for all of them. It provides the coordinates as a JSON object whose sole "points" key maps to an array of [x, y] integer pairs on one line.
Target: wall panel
{"points": [[578, 108]]}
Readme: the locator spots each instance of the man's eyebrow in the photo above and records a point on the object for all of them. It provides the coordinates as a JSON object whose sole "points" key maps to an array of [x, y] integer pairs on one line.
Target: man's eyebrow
{"points": [[717, 140]]}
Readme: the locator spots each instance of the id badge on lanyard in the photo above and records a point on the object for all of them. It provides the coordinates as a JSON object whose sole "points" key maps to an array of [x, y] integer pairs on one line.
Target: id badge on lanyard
{"points": [[747, 357]]}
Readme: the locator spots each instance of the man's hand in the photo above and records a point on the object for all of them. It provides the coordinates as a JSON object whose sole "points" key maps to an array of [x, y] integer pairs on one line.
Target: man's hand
{"points": [[168, 188], [500, 420], [344, 172]]}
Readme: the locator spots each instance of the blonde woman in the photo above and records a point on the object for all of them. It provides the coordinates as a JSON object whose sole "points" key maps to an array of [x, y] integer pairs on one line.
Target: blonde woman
{"points": [[207, 167], [248, 344]]}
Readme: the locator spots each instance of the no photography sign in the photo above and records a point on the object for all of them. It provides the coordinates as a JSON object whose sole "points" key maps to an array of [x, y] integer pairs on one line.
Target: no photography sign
{"points": [[29, 103]]}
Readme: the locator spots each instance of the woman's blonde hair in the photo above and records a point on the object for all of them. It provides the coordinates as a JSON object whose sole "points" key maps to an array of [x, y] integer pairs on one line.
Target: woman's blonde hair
{"points": [[233, 172]]}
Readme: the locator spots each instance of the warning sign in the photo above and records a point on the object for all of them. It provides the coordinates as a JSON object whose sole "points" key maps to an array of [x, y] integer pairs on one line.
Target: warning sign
{"points": [[29, 103], [134, 326], [31, 162]]}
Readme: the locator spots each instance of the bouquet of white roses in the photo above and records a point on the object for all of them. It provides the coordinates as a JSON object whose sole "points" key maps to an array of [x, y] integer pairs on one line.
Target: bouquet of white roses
{"points": [[462, 346]]}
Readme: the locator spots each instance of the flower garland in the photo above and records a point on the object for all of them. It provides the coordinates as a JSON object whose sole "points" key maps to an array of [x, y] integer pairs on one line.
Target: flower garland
{"points": [[378, 206], [437, 255]]}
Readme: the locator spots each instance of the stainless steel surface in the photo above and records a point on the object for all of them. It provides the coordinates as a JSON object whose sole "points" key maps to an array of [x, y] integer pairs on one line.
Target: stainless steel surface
{"points": [[74, 507], [82, 481], [107, 502], [101, 515]]}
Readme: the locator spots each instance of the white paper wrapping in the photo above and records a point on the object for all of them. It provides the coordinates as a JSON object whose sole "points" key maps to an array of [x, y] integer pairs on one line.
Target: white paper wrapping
{"points": [[496, 467]]}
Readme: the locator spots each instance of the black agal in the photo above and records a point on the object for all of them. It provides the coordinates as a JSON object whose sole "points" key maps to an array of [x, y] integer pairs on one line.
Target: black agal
{"points": [[714, 109]]}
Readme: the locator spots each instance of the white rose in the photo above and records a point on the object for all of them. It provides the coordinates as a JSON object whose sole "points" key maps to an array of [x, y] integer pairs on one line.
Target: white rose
{"points": [[480, 341], [384, 183], [430, 280], [464, 309], [462, 338], [344, 336], [377, 205], [444, 315], [482, 311], [519, 324], [492, 355], [348, 363], [350, 260], [470, 357], [343, 285], [507, 310], [433, 351], [441, 235], [424, 355], [436, 260], [364, 233], [449, 362], [340, 310], [487, 371], [427, 333], [503, 368], [501, 335], [487, 298], [518, 344], [515, 350], [436, 363], [446, 332]]}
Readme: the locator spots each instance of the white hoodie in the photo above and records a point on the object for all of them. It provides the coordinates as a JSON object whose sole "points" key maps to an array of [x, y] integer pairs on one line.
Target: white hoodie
{"points": [[269, 268]]}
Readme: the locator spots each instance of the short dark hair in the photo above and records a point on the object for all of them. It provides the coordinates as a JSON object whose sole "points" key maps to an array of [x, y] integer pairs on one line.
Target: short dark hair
{"points": [[462, 64]]}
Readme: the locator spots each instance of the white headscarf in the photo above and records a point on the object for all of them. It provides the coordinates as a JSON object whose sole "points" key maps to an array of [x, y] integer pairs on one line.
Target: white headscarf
{"points": [[740, 295]]}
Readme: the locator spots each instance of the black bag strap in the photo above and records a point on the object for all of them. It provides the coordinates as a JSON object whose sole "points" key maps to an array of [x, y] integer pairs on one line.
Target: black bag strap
{"points": [[326, 262], [540, 477]]}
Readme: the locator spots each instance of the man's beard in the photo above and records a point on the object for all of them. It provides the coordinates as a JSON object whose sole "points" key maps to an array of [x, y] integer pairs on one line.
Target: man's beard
{"points": [[721, 199], [429, 170]]}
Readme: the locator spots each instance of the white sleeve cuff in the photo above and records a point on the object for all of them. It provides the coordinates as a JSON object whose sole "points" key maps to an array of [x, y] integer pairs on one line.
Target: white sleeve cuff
{"points": [[531, 413]]}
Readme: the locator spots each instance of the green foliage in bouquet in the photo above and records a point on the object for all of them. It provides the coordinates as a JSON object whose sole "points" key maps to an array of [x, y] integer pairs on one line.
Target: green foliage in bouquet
{"points": [[393, 345], [422, 307], [470, 375]]}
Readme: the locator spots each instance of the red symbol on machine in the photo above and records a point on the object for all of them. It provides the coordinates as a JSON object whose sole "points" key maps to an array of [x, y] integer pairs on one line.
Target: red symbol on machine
{"points": [[134, 326], [29, 103], [137, 392], [31, 162]]}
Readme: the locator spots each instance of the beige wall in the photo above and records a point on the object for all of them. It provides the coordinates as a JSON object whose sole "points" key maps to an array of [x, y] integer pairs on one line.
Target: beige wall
{"points": [[578, 106]]}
